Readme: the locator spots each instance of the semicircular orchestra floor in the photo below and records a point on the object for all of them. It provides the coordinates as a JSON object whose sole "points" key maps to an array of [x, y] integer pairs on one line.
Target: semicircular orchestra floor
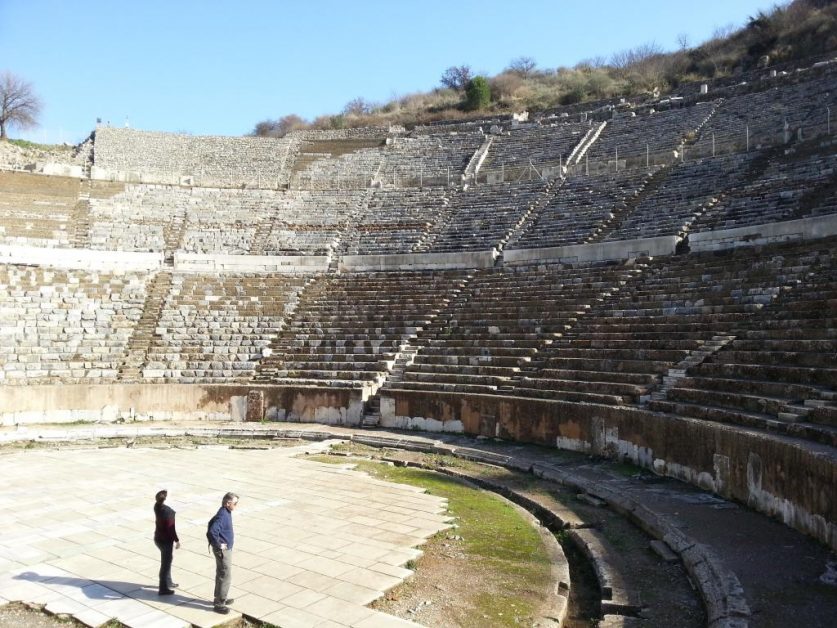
{"points": [[315, 542]]}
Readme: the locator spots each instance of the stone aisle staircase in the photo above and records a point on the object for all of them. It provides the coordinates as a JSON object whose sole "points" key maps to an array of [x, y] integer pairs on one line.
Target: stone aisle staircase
{"points": [[531, 215], [696, 357], [650, 185], [584, 145], [81, 217], [142, 337]]}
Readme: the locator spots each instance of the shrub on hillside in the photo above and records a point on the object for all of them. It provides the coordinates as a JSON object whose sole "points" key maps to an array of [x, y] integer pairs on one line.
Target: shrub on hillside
{"points": [[477, 94]]}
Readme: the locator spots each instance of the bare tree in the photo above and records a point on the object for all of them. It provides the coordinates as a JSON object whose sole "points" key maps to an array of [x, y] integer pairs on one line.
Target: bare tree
{"points": [[357, 107], [280, 127], [457, 77], [19, 106], [522, 66]]}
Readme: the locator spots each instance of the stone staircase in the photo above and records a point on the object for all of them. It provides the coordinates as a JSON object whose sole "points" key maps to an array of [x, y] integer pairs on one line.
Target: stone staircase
{"points": [[427, 239], [477, 159], [81, 218], [142, 337], [173, 234], [648, 187], [531, 215], [584, 145], [794, 413], [348, 231], [260, 237], [698, 356], [372, 414]]}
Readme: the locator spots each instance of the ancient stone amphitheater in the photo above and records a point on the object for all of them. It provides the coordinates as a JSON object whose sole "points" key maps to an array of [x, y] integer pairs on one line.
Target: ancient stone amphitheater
{"points": [[652, 282]]}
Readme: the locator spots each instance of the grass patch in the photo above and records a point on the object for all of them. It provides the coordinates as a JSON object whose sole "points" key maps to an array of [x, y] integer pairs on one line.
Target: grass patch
{"points": [[499, 544]]}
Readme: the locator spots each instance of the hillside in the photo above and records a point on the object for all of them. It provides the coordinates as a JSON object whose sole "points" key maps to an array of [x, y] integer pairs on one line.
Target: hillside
{"points": [[801, 31]]}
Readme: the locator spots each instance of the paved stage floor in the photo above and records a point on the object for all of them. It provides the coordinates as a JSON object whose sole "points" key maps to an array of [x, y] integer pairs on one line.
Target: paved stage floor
{"points": [[314, 544]]}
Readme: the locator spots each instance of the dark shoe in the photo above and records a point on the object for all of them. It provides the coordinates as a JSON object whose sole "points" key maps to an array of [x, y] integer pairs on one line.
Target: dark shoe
{"points": [[229, 601], [222, 609], [165, 592]]}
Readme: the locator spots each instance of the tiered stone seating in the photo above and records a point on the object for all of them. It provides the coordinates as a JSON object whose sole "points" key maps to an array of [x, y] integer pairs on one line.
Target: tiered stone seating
{"points": [[539, 144], [395, 221], [308, 222], [788, 187], [481, 216], [421, 159], [657, 132], [65, 326], [348, 328], [582, 208], [688, 190], [36, 210], [137, 219], [428, 159], [764, 113], [213, 328], [213, 220], [673, 308], [498, 323], [779, 372]]}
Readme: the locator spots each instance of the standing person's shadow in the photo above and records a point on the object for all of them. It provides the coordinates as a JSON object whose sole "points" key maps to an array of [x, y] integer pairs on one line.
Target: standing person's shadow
{"points": [[114, 590]]}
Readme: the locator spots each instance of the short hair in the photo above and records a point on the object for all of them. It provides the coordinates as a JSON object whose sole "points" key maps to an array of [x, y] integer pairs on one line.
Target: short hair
{"points": [[161, 495], [229, 497]]}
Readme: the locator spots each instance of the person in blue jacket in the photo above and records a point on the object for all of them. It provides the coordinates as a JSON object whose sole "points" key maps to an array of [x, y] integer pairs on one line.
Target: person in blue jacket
{"points": [[222, 538]]}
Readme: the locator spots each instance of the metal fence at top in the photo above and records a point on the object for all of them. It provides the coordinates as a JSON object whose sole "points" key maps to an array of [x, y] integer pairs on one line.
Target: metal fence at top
{"points": [[707, 145]]}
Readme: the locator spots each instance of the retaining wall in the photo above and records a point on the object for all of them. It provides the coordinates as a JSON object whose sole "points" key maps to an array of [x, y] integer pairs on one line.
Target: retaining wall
{"points": [[788, 479], [110, 402]]}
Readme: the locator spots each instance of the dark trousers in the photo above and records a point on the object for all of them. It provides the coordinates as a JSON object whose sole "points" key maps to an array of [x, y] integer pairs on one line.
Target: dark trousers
{"points": [[223, 575], [166, 557]]}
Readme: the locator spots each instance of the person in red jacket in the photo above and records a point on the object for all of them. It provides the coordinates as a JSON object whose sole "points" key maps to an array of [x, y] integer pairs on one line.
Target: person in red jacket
{"points": [[165, 538]]}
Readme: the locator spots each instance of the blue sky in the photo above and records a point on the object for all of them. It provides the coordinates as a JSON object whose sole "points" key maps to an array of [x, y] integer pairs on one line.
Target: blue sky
{"points": [[216, 68]]}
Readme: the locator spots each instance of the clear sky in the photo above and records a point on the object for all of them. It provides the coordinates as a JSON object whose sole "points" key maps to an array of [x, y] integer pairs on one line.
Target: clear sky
{"points": [[217, 67]]}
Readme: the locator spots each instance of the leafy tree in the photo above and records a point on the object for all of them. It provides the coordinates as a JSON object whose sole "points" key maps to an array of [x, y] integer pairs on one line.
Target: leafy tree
{"points": [[19, 106], [457, 77], [522, 66], [477, 94]]}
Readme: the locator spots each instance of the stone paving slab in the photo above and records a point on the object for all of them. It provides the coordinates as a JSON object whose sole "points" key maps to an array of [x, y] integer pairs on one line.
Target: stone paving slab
{"points": [[315, 543]]}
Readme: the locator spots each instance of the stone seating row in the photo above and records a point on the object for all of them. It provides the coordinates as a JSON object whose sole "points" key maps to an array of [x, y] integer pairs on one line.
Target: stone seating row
{"points": [[654, 133], [550, 144], [763, 114], [486, 335], [394, 221], [779, 372], [482, 216], [210, 220], [351, 327], [582, 207], [410, 161], [66, 326], [781, 192], [37, 210], [214, 328], [658, 321], [688, 190]]}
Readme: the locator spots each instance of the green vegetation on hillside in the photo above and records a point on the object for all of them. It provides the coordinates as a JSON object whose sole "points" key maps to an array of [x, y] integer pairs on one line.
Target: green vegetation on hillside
{"points": [[27, 145], [799, 31]]}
